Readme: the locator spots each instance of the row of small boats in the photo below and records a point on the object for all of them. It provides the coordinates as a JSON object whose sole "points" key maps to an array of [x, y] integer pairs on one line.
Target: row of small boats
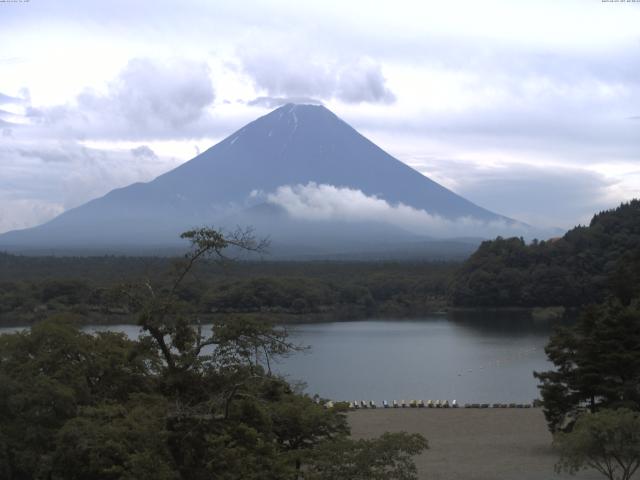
{"points": [[497, 405], [358, 404], [364, 404]]}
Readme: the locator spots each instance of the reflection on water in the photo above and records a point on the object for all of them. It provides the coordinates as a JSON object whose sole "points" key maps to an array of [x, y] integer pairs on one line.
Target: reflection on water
{"points": [[468, 359]]}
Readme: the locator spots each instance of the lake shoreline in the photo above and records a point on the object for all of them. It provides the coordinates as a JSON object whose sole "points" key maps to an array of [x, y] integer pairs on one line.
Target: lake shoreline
{"points": [[452, 313]]}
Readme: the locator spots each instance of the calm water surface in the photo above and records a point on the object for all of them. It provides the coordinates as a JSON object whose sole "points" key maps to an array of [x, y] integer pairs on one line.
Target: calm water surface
{"points": [[431, 358], [471, 360]]}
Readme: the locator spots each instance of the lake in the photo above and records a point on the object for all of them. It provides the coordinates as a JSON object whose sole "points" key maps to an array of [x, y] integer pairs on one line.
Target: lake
{"points": [[478, 359]]}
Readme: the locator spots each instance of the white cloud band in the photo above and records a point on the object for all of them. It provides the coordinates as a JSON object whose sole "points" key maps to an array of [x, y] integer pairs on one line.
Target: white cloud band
{"points": [[323, 202]]}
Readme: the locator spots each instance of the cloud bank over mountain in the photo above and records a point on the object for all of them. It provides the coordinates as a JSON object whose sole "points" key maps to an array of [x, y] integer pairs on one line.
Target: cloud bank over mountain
{"points": [[293, 74], [322, 202]]}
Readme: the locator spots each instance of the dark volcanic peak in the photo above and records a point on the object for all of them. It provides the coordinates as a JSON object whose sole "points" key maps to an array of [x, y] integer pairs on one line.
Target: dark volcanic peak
{"points": [[300, 158], [298, 144]]}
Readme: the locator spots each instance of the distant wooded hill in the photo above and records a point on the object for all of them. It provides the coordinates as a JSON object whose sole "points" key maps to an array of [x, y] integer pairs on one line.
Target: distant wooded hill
{"points": [[33, 288], [584, 266]]}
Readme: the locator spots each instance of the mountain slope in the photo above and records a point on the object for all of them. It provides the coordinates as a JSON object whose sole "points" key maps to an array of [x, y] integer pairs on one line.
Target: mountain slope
{"points": [[293, 145]]}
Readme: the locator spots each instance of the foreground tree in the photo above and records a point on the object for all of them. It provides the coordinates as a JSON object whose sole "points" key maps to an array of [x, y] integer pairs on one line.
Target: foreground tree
{"points": [[597, 365], [121, 441], [48, 375], [389, 457], [607, 441], [178, 402]]}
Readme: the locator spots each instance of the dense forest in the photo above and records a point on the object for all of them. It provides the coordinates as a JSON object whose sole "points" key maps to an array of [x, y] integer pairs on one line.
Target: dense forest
{"points": [[584, 266], [33, 288]]}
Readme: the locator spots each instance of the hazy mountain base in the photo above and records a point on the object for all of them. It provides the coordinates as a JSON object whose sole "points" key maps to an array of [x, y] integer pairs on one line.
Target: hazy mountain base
{"points": [[321, 248]]}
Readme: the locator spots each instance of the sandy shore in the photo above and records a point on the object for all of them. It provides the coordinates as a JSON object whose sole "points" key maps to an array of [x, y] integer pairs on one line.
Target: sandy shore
{"points": [[472, 444]]}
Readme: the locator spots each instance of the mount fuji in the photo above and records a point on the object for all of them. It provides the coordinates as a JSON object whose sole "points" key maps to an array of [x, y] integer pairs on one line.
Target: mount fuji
{"points": [[299, 175]]}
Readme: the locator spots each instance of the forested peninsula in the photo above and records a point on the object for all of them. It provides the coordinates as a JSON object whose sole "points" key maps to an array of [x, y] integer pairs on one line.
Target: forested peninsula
{"points": [[583, 267]]}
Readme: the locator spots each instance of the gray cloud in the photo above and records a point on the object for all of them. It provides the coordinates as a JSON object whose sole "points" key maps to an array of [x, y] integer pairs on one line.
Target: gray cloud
{"points": [[541, 196], [274, 102], [291, 75], [15, 106], [53, 154], [8, 99], [363, 82], [148, 99], [574, 124], [143, 151]]}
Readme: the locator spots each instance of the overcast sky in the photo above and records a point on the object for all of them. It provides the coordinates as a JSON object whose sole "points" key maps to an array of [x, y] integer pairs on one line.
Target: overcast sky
{"points": [[528, 108]]}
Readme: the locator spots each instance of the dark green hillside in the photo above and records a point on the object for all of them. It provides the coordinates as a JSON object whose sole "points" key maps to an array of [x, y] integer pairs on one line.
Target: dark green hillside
{"points": [[582, 267]]}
